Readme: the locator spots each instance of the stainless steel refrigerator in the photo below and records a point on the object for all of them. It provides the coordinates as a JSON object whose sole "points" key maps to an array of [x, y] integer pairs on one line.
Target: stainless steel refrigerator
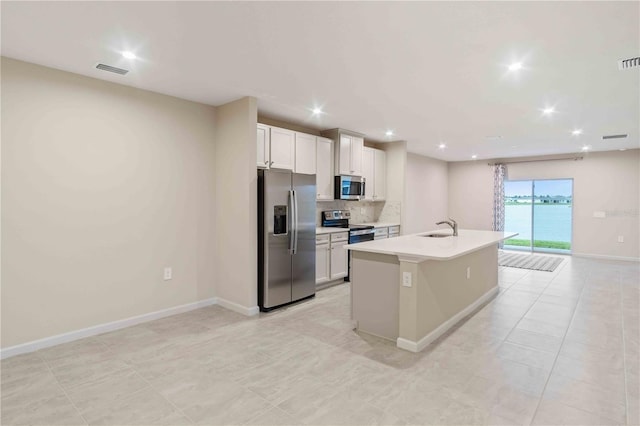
{"points": [[286, 238]]}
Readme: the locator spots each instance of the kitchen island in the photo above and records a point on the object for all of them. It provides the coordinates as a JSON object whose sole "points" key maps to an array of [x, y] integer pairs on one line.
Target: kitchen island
{"points": [[413, 288]]}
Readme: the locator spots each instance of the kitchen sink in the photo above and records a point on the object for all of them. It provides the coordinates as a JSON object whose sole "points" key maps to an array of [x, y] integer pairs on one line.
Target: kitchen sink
{"points": [[436, 235]]}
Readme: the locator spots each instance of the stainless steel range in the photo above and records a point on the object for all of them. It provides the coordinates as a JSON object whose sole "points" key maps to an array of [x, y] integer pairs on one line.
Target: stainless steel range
{"points": [[357, 233]]}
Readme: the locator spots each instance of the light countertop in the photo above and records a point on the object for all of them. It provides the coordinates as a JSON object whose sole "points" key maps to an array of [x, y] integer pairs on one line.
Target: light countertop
{"points": [[424, 248]]}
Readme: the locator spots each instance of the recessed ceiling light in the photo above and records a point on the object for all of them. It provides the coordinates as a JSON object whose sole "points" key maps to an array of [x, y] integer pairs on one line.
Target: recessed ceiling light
{"points": [[586, 148], [515, 66], [622, 149], [548, 110], [316, 111], [576, 132], [442, 146], [473, 157], [129, 55], [493, 138], [389, 133]]}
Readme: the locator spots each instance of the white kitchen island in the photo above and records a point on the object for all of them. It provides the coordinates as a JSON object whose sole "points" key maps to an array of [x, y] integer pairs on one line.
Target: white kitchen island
{"points": [[411, 289]]}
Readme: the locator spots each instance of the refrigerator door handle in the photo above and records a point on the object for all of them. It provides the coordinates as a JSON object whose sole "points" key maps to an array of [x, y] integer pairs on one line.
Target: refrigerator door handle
{"points": [[291, 221], [295, 218]]}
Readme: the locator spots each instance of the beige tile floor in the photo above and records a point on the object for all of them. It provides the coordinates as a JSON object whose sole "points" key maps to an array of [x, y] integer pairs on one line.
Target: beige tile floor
{"points": [[552, 348]]}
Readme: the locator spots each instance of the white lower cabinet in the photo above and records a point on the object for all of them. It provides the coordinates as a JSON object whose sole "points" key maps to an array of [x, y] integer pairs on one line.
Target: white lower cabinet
{"points": [[323, 258], [331, 257], [381, 233], [338, 260]]}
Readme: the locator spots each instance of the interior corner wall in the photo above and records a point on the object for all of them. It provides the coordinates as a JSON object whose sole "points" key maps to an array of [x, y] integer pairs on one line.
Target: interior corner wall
{"points": [[396, 176], [606, 182], [236, 195], [103, 186], [427, 189]]}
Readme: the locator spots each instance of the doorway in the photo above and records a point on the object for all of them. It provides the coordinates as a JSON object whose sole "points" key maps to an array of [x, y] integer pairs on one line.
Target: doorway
{"points": [[541, 212]]}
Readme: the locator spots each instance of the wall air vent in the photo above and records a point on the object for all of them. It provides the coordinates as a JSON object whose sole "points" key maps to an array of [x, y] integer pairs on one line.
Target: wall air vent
{"points": [[109, 68], [605, 137], [625, 64]]}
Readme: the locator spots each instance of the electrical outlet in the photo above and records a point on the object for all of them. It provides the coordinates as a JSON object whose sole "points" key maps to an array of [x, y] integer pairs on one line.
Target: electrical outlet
{"points": [[406, 279], [362, 210], [167, 273], [621, 238], [468, 272], [599, 214]]}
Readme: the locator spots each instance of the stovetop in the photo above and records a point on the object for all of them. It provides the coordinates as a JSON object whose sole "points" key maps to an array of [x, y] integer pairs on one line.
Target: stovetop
{"points": [[340, 219]]}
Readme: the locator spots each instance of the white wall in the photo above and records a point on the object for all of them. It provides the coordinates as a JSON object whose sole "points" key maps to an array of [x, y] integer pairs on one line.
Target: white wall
{"points": [[236, 195], [471, 194], [102, 187], [427, 188], [603, 181]]}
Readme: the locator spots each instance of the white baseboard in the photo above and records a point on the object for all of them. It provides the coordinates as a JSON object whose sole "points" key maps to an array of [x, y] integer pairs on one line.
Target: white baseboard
{"points": [[101, 328], [248, 311], [412, 346], [606, 257]]}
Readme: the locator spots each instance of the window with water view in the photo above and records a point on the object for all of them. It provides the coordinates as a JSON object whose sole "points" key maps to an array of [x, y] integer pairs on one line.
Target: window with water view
{"points": [[540, 211]]}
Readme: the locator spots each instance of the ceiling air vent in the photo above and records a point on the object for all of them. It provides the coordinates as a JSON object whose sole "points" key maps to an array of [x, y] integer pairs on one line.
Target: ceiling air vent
{"points": [[624, 64], [614, 137], [109, 68]]}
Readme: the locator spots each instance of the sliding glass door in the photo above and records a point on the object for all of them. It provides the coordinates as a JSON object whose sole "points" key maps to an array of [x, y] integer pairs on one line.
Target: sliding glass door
{"points": [[540, 211]]}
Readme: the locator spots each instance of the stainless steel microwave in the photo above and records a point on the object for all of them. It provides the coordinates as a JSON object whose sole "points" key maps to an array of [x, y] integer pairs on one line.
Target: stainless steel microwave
{"points": [[349, 187]]}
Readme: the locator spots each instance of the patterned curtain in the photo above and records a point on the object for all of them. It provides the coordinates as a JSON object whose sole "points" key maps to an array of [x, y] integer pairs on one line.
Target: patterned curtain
{"points": [[499, 173]]}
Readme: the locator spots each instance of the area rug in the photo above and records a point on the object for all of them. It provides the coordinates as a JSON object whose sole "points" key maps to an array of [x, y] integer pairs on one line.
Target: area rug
{"points": [[529, 261]]}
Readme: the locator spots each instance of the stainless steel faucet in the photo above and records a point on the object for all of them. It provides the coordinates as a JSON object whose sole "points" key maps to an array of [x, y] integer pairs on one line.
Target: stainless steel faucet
{"points": [[452, 223]]}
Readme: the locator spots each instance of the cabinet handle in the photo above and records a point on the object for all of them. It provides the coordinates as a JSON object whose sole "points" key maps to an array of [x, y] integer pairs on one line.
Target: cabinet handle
{"points": [[266, 162], [271, 163]]}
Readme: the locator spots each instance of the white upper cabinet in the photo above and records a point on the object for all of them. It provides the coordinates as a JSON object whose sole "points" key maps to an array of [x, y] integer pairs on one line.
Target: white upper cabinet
{"points": [[357, 145], [263, 146], [305, 154], [380, 175], [368, 164], [324, 169], [374, 170], [349, 155], [282, 154]]}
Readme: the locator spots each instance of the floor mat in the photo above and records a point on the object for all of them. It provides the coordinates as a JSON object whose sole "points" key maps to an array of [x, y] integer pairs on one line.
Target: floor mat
{"points": [[529, 261]]}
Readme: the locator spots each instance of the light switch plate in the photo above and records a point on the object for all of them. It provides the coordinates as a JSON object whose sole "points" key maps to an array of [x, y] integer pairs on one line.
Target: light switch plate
{"points": [[406, 279], [621, 238], [167, 273], [599, 214]]}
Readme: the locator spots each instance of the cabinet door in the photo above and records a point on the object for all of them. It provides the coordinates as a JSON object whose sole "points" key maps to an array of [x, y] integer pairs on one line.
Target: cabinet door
{"points": [[263, 146], [282, 153], [343, 156], [305, 154], [323, 253], [357, 145], [380, 175], [368, 159], [324, 169], [338, 260]]}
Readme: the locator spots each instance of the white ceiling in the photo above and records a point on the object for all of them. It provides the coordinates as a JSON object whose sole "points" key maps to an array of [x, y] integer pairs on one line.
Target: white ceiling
{"points": [[431, 71]]}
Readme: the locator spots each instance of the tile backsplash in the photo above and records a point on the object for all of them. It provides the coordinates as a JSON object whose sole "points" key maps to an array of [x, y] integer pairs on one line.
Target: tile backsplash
{"points": [[362, 211]]}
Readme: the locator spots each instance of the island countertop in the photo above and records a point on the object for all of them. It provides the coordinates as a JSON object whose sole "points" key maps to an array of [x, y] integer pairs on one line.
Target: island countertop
{"points": [[423, 248]]}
